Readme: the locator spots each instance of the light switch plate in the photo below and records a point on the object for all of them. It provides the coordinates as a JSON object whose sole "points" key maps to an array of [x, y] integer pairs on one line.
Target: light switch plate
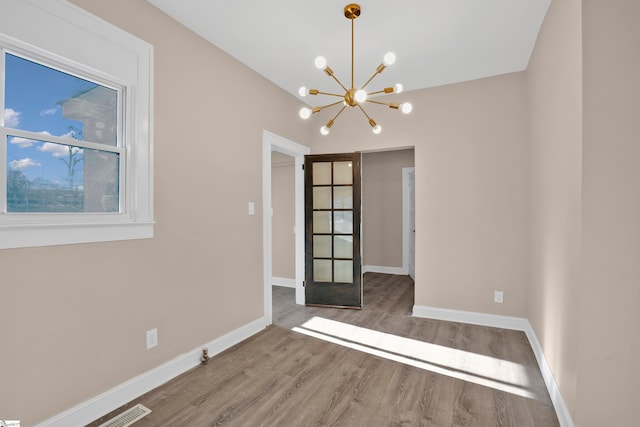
{"points": [[152, 338]]}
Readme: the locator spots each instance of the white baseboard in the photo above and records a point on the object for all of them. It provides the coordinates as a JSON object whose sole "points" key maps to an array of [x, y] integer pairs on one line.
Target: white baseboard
{"points": [[386, 270], [506, 322], [106, 402], [562, 411], [493, 320], [281, 281]]}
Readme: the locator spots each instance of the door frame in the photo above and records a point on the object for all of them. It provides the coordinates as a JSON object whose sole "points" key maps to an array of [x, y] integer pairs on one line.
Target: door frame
{"points": [[272, 142], [406, 226]]}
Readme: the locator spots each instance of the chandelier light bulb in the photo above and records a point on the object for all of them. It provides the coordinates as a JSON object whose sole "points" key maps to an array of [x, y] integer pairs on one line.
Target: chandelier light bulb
{"points": [[360, 96], [324, 130], [305, 113], [377, 129], [302, 91], [398, 88], [389, 58], [320, 62], [406, 107]]}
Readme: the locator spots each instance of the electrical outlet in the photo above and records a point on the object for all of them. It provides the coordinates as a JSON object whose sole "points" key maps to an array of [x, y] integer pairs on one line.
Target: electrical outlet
{"points": [[152, 338], [498, 296]]}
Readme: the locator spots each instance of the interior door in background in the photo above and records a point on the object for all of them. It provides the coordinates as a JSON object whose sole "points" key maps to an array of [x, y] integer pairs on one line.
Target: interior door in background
{"points": [[333, 275], [412, 224]]}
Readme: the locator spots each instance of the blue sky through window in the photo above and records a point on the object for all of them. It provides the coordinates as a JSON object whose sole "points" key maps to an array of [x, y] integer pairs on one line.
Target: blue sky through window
{"points": [[33, 97]]}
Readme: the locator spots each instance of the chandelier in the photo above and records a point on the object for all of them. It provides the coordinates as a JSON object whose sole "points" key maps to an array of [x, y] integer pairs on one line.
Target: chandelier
{"points": [[352, 96]]}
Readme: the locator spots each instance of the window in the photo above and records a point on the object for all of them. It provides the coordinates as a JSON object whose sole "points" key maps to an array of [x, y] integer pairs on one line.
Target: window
{"points": [[75, 128], [63, 143]]}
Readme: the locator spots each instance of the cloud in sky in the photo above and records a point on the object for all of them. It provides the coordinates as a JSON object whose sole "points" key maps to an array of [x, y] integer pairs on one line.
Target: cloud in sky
{"points": [[25, 142], [57, 150], [11, 118], [50, 111], [22, 164], [21, 142]]}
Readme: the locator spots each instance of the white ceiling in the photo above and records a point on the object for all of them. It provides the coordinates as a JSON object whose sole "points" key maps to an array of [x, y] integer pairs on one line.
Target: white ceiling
{"points": [[437, 42]]}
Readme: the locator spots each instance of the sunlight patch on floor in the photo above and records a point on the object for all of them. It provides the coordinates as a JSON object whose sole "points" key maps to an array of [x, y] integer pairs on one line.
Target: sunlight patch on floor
{"points": [[476, 368]]}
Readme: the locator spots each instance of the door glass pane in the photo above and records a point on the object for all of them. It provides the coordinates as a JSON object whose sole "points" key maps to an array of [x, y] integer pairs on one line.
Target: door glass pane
{"points": [[322, 173], [343, 246], [343, 271], [342, 197], [342, 173], [322, 222], [322, 270], [343, 222], [321, 197], [322, 246]]}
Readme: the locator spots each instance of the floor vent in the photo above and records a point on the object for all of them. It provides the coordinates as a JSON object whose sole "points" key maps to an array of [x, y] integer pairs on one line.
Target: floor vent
{"points": [[128, 417]]}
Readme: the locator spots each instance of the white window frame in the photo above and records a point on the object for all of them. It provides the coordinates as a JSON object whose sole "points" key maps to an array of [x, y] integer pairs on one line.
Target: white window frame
{"points": [[63, 36]]}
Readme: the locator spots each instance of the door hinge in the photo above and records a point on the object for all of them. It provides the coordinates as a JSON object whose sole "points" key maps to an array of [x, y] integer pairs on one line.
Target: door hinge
{"points": [[303, 284], [303, 167]]}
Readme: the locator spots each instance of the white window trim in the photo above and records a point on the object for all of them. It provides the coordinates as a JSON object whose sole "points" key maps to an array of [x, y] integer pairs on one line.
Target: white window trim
{"points": [[53, 31]]}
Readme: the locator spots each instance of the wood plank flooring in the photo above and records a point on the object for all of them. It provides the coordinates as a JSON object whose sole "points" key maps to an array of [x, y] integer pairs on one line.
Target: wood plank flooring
{"points": [[284, 377]]}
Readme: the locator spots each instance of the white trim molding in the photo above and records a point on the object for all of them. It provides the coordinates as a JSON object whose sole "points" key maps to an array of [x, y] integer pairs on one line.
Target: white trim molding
{"points": [[562, 411], [407, 204], [483, 319], [513, 323], [272, 142], [400, 271], [281, 281], [110, 400]]}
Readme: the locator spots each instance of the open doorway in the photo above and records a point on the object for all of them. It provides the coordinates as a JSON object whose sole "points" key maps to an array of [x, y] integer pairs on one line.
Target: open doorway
{"points": [[383, 210], [283, 245], [274, 143]]}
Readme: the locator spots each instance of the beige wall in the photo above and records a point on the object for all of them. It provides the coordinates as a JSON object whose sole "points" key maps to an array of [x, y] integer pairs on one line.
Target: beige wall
{"points": [[609, 297], [555, 100], [584, 297], [472, 176], [382, 206], [75, 316], [283, 218]]}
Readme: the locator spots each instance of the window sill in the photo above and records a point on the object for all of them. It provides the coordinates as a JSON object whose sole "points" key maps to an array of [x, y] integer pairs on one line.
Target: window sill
{"points": [[23, 236]]}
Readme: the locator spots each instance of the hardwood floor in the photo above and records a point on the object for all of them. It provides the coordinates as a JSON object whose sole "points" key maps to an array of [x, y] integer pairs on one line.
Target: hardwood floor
{"points": [[373, 367]]}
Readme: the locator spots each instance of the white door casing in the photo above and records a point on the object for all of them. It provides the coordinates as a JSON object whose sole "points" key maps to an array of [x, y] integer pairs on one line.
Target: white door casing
{"points": [[408, 221], [272, 142]]}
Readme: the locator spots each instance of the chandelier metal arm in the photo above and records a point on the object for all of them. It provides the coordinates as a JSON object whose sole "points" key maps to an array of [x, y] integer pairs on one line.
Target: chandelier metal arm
{"points": [[325, 129], [364, 112], [318, 109], [339, 112], [376, 128], [340, 83], [385, 90], [380, 68], [393, 105], [317, 92], [353, 19]]}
